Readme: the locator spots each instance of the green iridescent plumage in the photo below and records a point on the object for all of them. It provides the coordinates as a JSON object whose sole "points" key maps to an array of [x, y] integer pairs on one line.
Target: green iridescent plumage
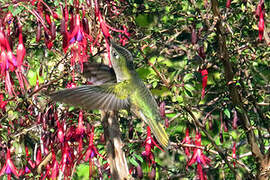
{"points": [[122, 89]]}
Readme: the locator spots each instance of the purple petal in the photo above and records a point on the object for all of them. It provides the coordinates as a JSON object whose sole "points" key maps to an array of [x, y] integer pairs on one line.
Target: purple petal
{"points": [[79, 36], [14, 59], [92, 154], [72, 40], [198, 159], [8, 170]]}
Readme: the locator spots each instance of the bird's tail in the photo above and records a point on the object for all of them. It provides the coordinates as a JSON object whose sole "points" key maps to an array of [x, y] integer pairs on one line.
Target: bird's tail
{"points": [[157, 129], [159, 132]]}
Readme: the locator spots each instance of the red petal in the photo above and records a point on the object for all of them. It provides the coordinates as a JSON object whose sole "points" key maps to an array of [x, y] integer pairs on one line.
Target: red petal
{"points": [[3, 170], [228, 4], [12, 167]]}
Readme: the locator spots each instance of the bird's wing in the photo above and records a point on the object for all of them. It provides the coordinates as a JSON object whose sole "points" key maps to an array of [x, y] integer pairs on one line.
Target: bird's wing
{"points": [[104, 97], [97, 73]]}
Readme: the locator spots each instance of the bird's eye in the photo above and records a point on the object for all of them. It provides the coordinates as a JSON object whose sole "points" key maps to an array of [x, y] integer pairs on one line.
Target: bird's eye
{"points": [[115, 54]]}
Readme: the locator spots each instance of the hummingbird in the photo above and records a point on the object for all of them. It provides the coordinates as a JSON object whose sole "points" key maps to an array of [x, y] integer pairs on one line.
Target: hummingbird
{"points": [[116, 88]]}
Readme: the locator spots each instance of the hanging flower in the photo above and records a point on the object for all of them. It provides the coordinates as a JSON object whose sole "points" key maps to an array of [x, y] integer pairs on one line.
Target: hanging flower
{"points": [[9, 167], [55, 166], [204, 74], [198, 157], [149, 145], [187, 140], [228, 3], [261, 26], [2, 102], [234, 153], [91, 151]]}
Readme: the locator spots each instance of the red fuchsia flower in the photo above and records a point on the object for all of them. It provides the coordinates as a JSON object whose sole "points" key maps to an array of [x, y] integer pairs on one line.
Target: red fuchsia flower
{"points": [[201, 52], [71, 85], [76, 39], [228, 3], [60, 131], [162, 109], [187, 140], [9, 18], [204, 74], [124, 36], [38, 158], [234, 153], [149, 145], [162, 113], [105, 30], [91, 151], [198, 157], [80, 130], [2, 102], [48, 19], [55, 15], [54, 167], [30, 162], [261, 25], [67, 160], [20, 56], [9, 167], [9, 62]]}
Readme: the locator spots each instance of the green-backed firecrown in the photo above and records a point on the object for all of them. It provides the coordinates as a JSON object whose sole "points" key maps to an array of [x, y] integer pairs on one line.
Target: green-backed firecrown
{"points": [[115, 89]]}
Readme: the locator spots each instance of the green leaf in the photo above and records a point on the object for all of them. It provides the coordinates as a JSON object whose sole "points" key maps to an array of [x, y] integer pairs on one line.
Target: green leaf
{"points": [[18, 10], [227, 113], [144, 20], [83, 171], [161, 92], [133, 162], [189, 87], [138, 157], [187, 77], [144, 72]]}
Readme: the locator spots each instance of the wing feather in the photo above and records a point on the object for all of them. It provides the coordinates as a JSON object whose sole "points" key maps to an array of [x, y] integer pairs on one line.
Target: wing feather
{"points": [[97, 73], [93, 97]]}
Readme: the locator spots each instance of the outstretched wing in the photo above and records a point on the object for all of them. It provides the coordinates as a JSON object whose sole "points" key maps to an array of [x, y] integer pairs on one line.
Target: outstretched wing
{"points": [[97, 73], [104, 97]]}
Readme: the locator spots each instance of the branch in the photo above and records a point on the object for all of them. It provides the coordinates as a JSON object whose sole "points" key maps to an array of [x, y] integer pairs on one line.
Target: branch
{"points": [[116, 156], [235, 96]]}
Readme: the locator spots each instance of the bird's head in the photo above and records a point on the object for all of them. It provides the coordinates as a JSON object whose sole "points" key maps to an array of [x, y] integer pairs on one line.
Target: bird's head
{"points": [[122, 61]]}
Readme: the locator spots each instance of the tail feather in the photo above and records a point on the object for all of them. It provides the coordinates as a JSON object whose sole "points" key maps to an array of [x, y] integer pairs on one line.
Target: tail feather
{"points": [[157, 129], [159, 132]]}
